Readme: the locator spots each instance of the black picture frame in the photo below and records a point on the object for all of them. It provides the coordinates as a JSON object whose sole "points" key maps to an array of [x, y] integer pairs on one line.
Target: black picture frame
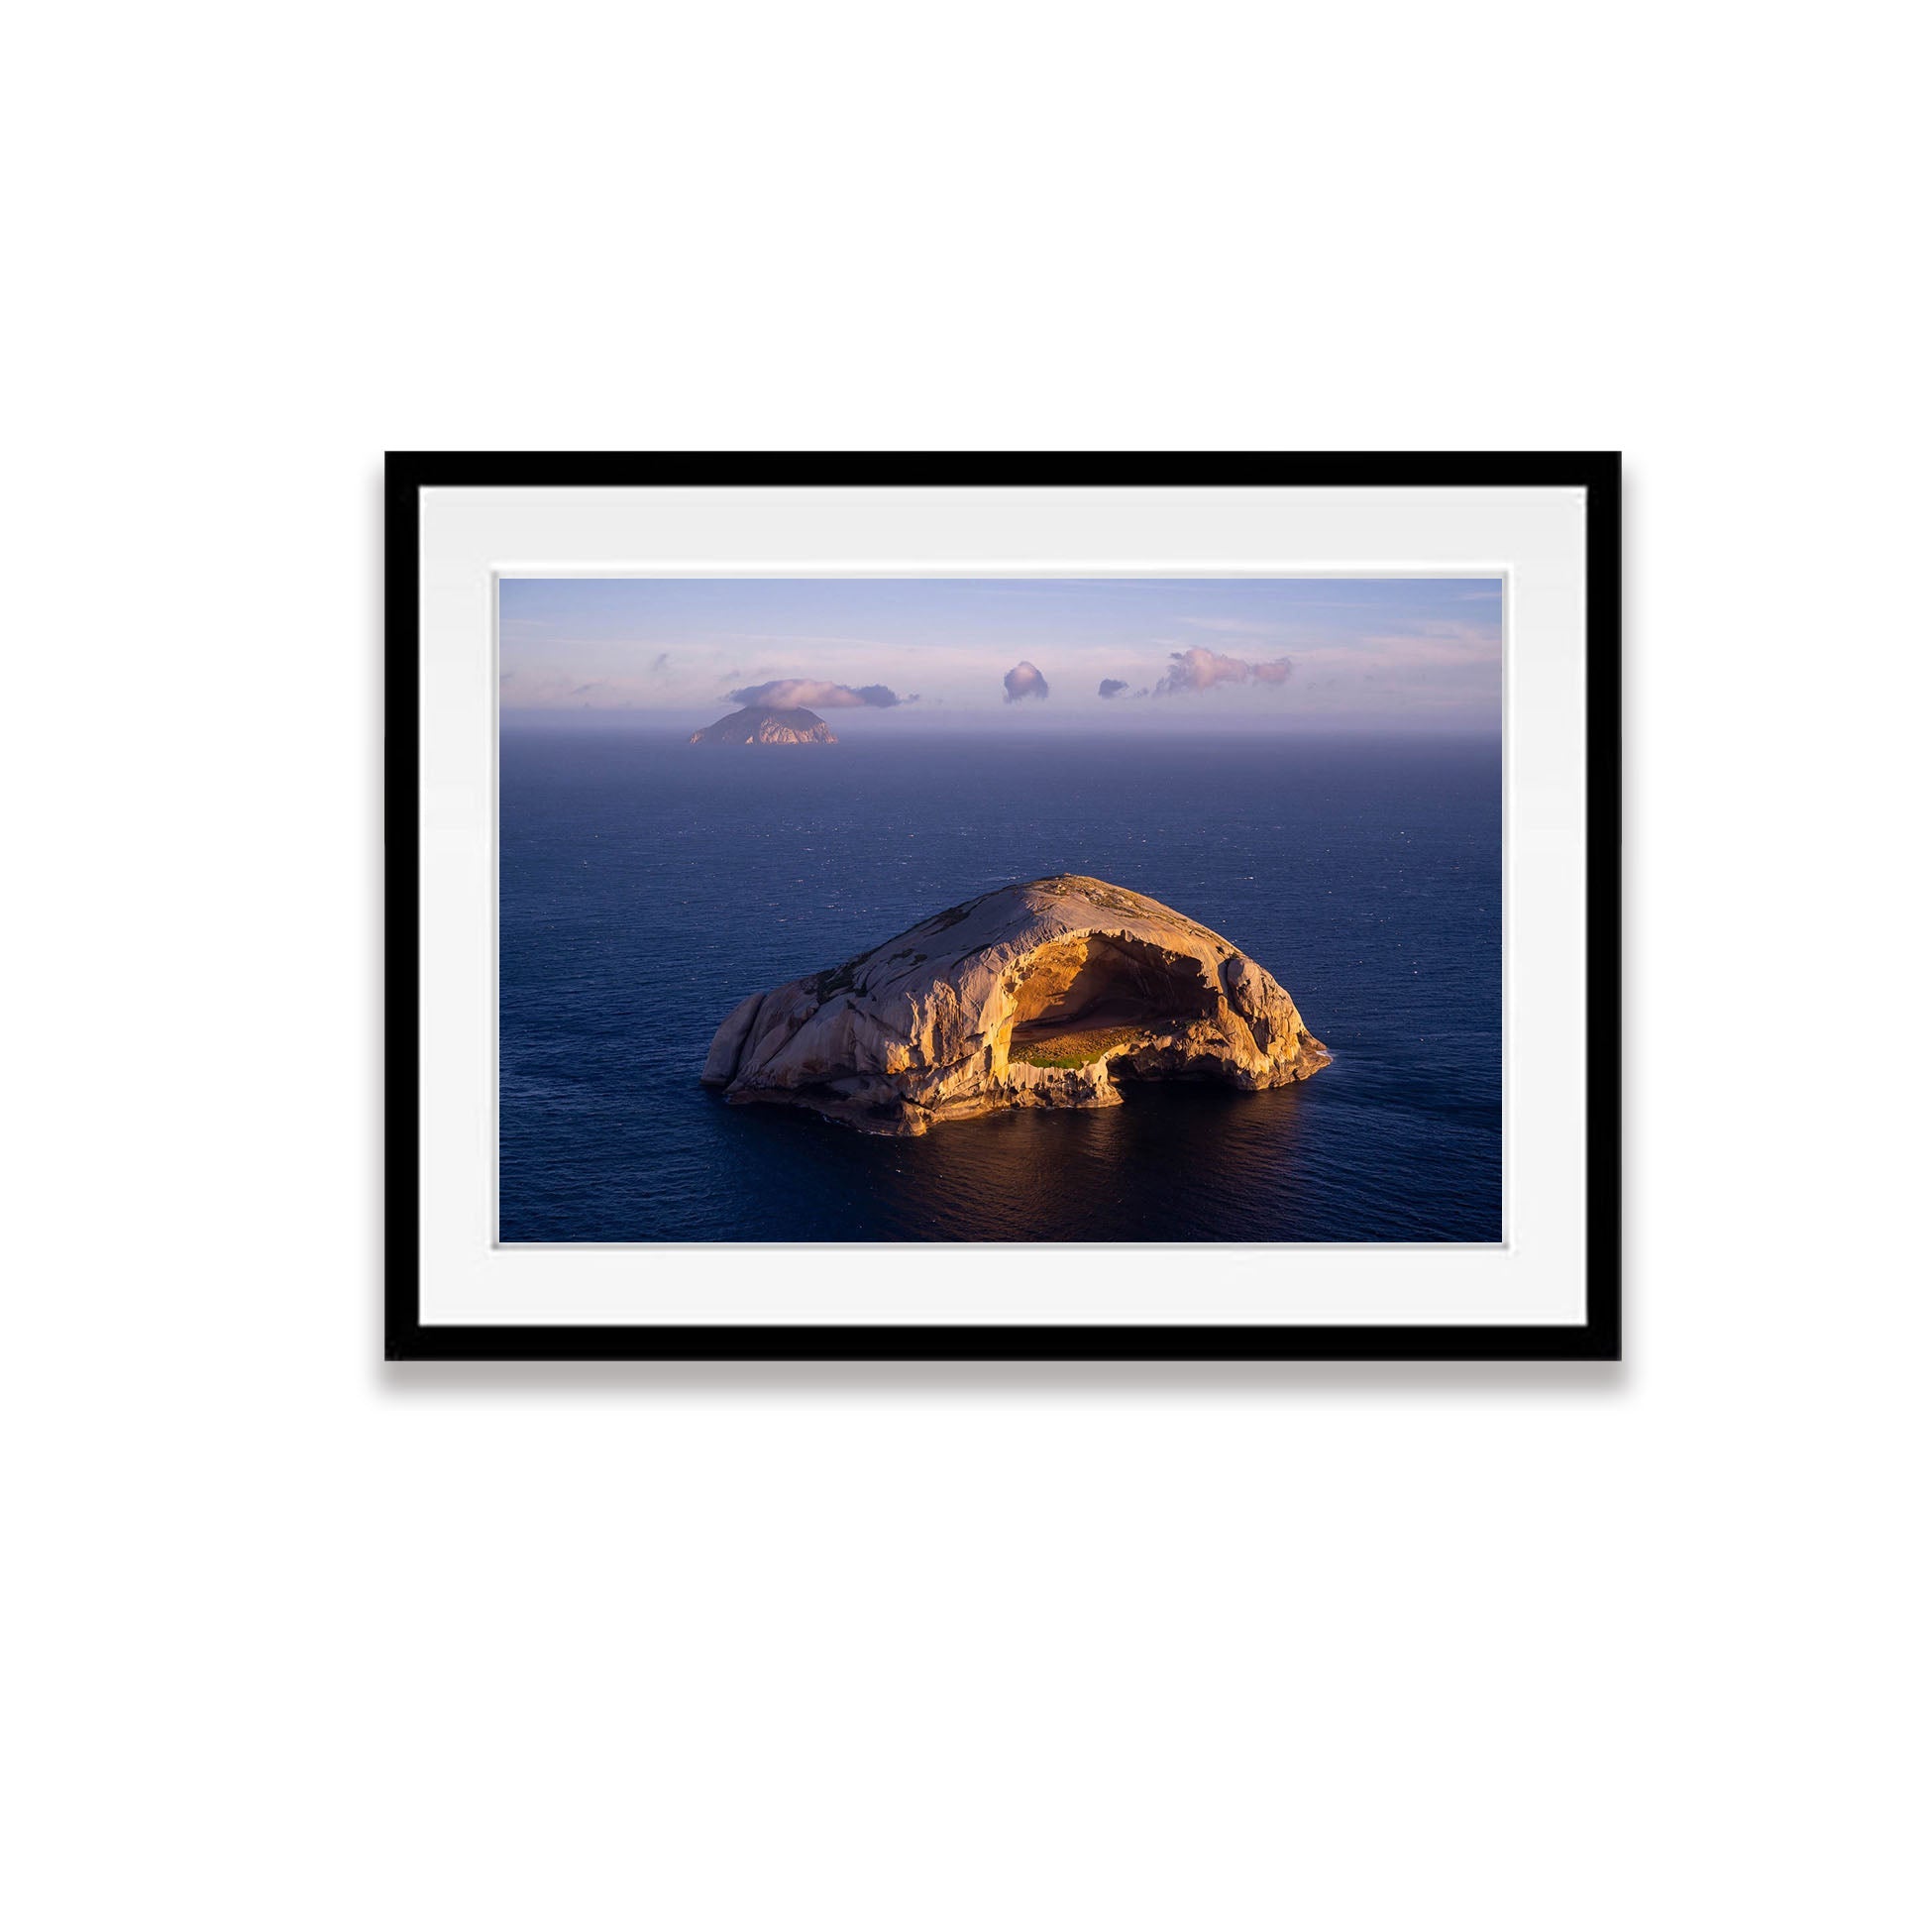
{"points": [[1598, 1337]]}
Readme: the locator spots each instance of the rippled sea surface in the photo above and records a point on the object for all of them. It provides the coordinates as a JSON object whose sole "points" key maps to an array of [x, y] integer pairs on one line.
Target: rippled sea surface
{"points": [[648, 886]]}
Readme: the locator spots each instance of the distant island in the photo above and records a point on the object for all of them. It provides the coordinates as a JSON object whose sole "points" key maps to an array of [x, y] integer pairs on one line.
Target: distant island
{"points": [[758, 725], [1037, 995]]}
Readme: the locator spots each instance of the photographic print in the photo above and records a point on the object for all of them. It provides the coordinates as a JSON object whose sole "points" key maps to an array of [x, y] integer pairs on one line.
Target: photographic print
{"points": [[976, 906], [999, 909]]}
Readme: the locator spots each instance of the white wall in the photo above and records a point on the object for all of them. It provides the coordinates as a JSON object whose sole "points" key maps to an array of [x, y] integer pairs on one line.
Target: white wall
{"points": [[294, 1641]]}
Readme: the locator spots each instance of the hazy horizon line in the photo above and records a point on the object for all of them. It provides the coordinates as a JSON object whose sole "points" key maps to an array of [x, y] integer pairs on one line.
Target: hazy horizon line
{"points": [[990, 723]]}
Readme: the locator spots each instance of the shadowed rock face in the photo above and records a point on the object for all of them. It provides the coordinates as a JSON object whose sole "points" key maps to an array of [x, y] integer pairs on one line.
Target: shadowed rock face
{"points": [[1042, 995], [760, 726]]}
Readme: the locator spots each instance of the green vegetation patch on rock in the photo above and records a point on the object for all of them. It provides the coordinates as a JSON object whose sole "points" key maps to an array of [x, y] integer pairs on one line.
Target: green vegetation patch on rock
{"points": [[1077, 1049]]}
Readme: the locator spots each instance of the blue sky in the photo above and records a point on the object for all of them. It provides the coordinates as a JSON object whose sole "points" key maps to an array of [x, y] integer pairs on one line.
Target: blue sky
{"points": [[1415, 652]]}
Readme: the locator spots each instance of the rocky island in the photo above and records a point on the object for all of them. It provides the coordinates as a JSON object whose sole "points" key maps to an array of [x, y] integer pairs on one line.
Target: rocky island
{"points": [[759, 725], [1039, 995]]}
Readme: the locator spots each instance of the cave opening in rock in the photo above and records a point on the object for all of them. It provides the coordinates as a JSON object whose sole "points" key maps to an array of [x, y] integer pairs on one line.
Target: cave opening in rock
{"points": [[1083, 998]]}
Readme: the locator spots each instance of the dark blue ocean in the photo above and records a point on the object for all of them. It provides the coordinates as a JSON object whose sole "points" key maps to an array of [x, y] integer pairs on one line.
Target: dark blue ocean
{"points": [[648, 886]]}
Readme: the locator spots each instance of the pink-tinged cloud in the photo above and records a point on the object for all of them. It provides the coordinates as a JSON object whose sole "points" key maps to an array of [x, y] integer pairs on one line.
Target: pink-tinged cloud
{"points": [[1199, 670], [1024, 681], [785, 694]]}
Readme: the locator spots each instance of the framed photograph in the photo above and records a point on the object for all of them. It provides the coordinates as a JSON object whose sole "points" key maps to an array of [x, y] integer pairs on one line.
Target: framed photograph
{"points": [[1003, 907]]}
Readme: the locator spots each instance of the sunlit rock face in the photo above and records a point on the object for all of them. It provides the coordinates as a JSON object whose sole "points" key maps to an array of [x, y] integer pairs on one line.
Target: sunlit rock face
{"points": [[757, 725], [1042, 995]]}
